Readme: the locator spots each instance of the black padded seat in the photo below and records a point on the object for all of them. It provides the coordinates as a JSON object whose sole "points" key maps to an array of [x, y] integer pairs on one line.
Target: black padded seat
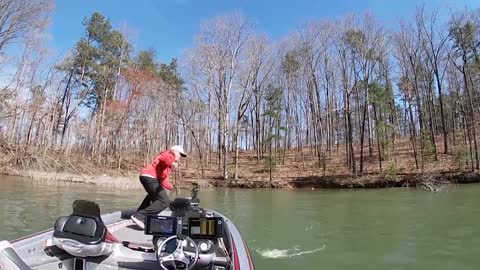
{"points": [[85, 229], [83, 232]]}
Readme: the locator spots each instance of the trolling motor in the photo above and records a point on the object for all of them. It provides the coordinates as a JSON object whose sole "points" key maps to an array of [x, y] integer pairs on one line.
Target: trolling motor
{"points": [[181, 206], [195, 201]]}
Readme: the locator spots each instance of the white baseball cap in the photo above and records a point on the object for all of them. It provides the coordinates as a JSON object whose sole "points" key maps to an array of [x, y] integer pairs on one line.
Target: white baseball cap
{"points": [[179, 149]]}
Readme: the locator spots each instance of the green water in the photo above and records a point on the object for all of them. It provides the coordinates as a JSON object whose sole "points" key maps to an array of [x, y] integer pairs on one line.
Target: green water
{"points": [[321, 229]]}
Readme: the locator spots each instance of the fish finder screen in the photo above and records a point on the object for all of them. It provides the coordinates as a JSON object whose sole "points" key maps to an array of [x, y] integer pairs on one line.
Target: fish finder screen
{"points": [[203, 227], [160, 226]]}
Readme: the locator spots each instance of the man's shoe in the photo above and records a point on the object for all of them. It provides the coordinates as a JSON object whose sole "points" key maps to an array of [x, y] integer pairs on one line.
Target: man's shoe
{"points": [[138, 222]]}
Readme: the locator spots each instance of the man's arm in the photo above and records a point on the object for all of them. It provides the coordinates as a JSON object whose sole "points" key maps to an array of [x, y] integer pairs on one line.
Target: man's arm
{"points": [[167, 185]]}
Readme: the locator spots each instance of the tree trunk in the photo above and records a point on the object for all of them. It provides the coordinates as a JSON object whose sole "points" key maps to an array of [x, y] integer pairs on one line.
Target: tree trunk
{"points": [[235, 158], [378, 139], [472, 115], [432, 131], [362, 134], [413, 134], [442, 115], [200, 153]]}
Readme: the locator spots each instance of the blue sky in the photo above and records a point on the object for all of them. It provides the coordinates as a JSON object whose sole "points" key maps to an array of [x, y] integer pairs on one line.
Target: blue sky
{"points": [[169, 26]]}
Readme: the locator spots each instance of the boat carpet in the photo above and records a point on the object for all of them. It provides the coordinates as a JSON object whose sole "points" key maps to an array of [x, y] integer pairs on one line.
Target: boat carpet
{"points": [[127, 231]]}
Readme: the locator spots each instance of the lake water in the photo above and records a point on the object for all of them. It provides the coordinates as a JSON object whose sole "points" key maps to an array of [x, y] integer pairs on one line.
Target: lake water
{"points": [[302, 229]]}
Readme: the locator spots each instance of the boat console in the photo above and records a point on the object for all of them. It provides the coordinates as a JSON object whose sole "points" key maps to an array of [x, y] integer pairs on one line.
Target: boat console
{"points": [[191, 238], [185, 236]]}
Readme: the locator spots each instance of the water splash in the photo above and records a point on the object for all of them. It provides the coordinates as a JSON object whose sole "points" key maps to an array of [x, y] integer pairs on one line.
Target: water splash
{"points": [[312, 226], [286, 253]]}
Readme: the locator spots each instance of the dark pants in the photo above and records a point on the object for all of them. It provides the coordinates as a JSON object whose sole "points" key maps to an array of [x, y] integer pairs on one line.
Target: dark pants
{"points": [[155, 201]]}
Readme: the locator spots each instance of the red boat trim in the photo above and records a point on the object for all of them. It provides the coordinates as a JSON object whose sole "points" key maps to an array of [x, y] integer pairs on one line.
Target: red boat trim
{"points": [[235, 258], [250, 263]]}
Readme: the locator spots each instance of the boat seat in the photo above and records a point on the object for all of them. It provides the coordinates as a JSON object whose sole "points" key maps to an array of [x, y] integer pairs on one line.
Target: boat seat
{"points": [[180, 204], [84, 207], [81, 228], [82, 234]]}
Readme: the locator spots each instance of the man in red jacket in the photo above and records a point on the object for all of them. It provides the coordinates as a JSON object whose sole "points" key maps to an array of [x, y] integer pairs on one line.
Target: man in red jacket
{"points": [[154, 180]]}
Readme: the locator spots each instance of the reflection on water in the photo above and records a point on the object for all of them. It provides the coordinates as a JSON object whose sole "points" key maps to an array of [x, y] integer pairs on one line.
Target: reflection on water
{"points": [[363, 229], [26, 207]]}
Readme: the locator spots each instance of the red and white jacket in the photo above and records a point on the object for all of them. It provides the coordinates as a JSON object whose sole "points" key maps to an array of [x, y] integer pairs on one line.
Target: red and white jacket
{"points": [[160, 168]]}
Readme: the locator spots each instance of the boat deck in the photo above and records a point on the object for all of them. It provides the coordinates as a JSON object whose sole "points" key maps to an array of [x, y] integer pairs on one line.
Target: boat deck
{"points": [[127, 231]]}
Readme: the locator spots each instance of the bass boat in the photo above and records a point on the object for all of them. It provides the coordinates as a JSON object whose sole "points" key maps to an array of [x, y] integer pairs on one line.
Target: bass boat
{"points": [[183, 236]]}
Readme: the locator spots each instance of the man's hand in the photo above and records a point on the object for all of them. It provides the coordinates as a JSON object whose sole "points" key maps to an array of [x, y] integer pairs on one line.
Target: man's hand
{"points": [[174, 165]]}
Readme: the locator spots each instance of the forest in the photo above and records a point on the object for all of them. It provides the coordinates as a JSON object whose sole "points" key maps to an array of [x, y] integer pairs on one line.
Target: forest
{"points": [[347, 96]]}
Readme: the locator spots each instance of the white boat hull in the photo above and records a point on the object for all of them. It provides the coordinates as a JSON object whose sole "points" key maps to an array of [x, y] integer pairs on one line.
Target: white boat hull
{"points": [[29, 252]]}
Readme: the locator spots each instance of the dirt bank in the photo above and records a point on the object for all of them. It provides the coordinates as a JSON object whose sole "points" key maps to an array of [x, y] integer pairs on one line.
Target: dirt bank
{"points": [[245, 183], [122, 182], [428, 181], [431, 181], [129, 181], [299, 170]]}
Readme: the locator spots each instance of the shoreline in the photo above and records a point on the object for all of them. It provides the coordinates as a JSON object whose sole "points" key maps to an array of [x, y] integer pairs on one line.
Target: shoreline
{"points": [[129, 182], [427, 181]]}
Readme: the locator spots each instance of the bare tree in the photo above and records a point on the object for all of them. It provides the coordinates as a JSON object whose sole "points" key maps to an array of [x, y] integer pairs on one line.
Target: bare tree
{"points": [[220, 46], [256, 68], [19, 19], [434, 43]]}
